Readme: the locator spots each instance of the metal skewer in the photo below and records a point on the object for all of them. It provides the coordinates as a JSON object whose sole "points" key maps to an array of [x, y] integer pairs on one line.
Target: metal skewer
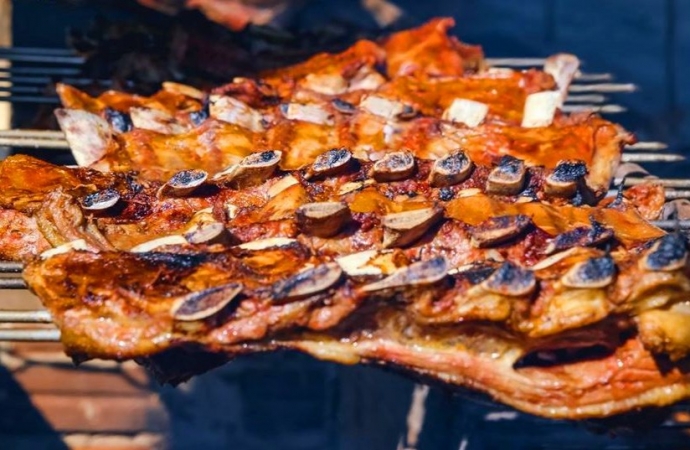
{"points": [[594, 77], [38, 316], [651, 157], [43, 71], [671, 224], [10, 267], [21, 335], [45, 59], [28, 99], [648, 145], [602, 109], [603, 87], [36, 51], [586, 98], [12, 283], [666, 182]]}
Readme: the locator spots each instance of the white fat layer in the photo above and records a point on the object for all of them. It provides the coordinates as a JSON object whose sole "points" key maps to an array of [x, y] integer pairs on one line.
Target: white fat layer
{"points": [[390, 131], [328, 84], [263, 244], [236, 112], [78, 244], [382, 107], [308, 113], [366, 79], [553, 259], [562, 68], [356, 264], [281, 185], [178, 88], [155, 120], [467, 112], [231, 210], [88, 135], [159, 242], [540, 109], [500, 72]]}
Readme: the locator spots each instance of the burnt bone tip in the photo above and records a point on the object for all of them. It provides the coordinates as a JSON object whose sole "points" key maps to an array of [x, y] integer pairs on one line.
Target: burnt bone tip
{"points": [[668, 253], [511, 280]]}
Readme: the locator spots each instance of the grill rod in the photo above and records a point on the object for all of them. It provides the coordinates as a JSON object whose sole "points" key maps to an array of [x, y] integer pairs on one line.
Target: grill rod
{"points": [[22, 335]]}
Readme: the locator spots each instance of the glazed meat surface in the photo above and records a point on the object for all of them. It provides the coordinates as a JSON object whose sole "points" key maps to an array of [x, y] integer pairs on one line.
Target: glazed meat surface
{"points": [[535, 324], [399, 203], [49, 206], [343, 100]]}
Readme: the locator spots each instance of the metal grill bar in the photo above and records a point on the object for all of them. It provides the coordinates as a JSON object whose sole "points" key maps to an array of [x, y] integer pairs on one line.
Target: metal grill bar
{"points": [[588, 77], [651, 157], [43, 80], [671, 224], [586, 98], [42, 134], [36, 51], [601, 109], [516, 62], [34, 143], [10, 267], [20, 335], [12, 283], [39, 316], [672, 195], [45, 59], [608, 87], [27, 99], [649, 145], [672, 183], [57, 71]]}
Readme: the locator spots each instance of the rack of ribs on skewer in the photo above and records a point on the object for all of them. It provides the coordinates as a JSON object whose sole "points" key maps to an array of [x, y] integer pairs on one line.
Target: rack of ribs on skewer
{"points": [[399, 203]]}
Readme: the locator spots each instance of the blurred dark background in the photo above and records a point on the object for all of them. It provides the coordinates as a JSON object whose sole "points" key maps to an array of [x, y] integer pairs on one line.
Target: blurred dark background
{"points": [[289, 401]]}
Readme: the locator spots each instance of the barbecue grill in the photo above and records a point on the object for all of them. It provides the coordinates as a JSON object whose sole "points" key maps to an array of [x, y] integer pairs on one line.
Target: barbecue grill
{"points": [[33, 68]]}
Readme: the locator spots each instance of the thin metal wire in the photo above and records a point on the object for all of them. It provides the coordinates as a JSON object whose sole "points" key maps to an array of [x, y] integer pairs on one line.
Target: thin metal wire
{"points": [[21, 335], [43, 80], [35, 143], [603, 87], [594, 77], [38, 316], [666, 182], [671, 224], [37, 51], [33, 134], [22, 89], [57, 71], [12, 283], [515, 62], [651, 157], [587, 98], [673, 194], [44, 59], [28, 99], [603, 109], [11, 267], [647, 145]]}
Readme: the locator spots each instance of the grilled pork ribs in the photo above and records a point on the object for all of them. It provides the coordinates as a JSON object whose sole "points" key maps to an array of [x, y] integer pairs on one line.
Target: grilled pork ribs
{"points": [[399, 203]]}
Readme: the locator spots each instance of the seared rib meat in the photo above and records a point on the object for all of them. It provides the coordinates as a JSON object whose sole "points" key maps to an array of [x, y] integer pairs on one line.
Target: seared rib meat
{"points": [[521, 321], [342, 100], [215, 144], [253, 200]]}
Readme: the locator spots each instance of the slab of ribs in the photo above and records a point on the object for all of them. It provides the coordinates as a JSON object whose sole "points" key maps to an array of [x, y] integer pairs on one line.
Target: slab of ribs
{"points": [[400, 203]]}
